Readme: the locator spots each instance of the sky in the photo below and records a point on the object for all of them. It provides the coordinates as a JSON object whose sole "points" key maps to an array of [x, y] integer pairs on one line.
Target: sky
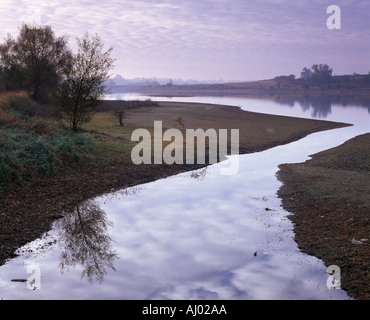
{"points": [[233, 40]]}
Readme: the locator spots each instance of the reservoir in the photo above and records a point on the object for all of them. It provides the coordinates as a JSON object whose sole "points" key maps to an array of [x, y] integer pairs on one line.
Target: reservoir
{"points": [[196, 235]]}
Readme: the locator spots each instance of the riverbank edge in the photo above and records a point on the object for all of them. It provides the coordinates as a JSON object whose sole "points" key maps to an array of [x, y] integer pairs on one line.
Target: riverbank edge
{"points": [[34, 206], [188, 91], [327, 227]]}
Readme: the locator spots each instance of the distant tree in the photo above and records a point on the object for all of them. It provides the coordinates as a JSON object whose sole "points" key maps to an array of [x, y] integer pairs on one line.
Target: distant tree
{"points": [[306, 74], [34, 61], [366, 79], [119, 113], [83, 86], [285, 78], [321, 73]]}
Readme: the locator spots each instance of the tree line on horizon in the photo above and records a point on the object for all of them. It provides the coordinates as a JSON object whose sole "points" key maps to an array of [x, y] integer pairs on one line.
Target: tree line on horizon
{"points": [[321, 75], [44, 66]]}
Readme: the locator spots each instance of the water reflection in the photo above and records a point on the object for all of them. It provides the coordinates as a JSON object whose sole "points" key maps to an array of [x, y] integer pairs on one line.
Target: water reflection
{"points": [[84, 241], [199, 235], [321, 105]]}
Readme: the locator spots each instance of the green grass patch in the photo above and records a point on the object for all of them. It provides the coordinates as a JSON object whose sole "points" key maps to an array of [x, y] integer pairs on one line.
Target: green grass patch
{"points": [[26, 155], [112, 140], [32, 147]]}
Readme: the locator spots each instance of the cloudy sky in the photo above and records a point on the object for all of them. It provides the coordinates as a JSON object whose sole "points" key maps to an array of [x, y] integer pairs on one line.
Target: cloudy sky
{"points": [[208, 39]]}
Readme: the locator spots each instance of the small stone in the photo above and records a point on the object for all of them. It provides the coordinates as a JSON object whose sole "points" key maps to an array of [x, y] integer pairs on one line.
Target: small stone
{"points": [[354, 241]]}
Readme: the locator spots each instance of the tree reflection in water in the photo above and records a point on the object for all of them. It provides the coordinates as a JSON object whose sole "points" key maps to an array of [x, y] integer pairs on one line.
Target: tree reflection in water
{"points": [[84, 241], [321, 105]]}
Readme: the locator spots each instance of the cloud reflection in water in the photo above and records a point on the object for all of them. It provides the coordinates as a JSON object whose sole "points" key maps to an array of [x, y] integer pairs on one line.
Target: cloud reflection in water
{"points": [[197, 235]]}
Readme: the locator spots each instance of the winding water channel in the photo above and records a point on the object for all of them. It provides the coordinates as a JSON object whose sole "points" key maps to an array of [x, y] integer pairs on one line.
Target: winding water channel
{"points": [[197, 235]]}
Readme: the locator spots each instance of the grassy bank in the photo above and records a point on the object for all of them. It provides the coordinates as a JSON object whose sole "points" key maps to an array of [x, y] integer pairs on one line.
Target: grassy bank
{"points": [[100, 160], [329, 197], [31, 146]]}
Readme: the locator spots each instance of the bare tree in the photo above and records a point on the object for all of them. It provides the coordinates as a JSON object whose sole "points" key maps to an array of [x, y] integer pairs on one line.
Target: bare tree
{"points": [[34, 61], [86, 242], [83, 86], [119, 113]]}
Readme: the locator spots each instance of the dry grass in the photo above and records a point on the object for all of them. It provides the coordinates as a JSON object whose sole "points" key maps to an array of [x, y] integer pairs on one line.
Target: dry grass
{"points": [[6, 95], [10, 119], [257, 131]]}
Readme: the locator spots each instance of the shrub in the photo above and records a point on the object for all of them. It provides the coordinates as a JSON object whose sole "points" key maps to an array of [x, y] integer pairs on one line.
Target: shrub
{"points": [[23, 104], [32, 147], [17, 109], [40, 126], [39, 157], [25, 155]]}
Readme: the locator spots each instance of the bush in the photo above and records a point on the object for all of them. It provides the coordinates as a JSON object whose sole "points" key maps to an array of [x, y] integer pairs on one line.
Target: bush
{"points": [[32, 147], [25, 155], [21, 103], [38, 157], [41, 126], [10, 119]]}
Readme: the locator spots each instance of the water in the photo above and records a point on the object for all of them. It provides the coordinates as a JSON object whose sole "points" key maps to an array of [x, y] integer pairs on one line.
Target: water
{"points": [[197, 235]]}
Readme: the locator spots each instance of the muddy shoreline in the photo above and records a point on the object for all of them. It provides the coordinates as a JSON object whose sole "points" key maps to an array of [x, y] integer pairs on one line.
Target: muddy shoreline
{"points": [[328, 197], [28, 209]]}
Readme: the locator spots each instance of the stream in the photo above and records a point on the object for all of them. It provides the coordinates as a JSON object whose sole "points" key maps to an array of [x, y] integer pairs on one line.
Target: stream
{"points": [[197, 235]]}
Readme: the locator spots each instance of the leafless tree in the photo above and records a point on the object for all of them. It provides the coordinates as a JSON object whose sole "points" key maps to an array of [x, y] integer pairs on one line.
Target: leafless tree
{"points": [[119, 113], [83, 86]]}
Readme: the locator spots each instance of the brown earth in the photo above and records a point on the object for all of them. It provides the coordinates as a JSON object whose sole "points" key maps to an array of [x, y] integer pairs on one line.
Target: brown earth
{"points": [[329, 198], [256, 131]]}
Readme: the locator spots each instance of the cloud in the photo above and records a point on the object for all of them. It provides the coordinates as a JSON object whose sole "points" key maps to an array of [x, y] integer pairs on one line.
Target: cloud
{"points": [[167, 36]]}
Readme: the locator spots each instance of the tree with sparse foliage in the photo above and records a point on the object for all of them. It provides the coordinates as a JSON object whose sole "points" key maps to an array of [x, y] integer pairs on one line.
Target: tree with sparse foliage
{"points": [[83, 86], [34, 61], [119, 113], [321, 73]]}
